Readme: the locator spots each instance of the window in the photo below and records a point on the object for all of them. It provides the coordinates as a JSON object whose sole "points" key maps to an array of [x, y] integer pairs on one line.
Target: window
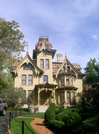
{"points": [[68, 97], [23, 79], [61, 97], [67, 80], [29, 95], [30, 80], [63, 69], [45, 78], [47, 63], [62, 81], [42, 63], [73, 97], [27, 67], [24, 92], [68, 69], [44, 53]]}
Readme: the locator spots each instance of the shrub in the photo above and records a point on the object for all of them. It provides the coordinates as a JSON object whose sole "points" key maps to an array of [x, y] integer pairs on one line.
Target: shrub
{"points": [[90, 123], [61, 115], [73, 123], [49, 115], [57, 126], [60, 110], [85, 116], [53, 107]]}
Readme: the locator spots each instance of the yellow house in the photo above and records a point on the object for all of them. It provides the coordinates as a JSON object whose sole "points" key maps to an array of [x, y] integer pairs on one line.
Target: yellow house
{"points": [[48, 81]]}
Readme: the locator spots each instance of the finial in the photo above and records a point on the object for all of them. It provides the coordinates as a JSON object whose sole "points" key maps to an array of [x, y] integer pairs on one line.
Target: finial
{"points": [[65, 55], [27, 50], [44, 37]]}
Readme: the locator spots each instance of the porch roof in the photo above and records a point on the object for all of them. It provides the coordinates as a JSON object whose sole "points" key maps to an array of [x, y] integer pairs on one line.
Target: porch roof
{"points": [[46, 85], [70, 87]]}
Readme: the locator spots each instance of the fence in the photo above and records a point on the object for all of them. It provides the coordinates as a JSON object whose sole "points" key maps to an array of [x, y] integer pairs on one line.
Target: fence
{"points": [[13, 115]]}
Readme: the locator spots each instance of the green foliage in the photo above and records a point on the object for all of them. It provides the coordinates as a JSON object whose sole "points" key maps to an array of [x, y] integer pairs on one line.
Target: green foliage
{"points": [[92, 73], [61, 115], [16, 127], [73, 123], [57, 126], [13, 96], [85, 116], [11, 42], [49, 116], [90, 123], [53, 106], [60, 110]]}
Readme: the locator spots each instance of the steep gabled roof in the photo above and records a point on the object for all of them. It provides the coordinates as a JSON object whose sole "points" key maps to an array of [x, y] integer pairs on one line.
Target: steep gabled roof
{"points": [[27, 61], [71, 65]]}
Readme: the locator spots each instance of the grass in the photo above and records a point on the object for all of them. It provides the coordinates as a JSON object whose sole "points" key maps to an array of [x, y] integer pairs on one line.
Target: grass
{"points": [[38, 115], [16, 127]]}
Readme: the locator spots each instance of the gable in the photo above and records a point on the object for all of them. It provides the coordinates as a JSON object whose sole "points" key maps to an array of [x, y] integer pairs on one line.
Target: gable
{"points": [[27, 61]]}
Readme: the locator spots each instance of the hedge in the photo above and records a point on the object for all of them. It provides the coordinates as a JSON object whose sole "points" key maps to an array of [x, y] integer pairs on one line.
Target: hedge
{"points": [[90, 123], [61, 114], [85, 116], [53, 107], [57, 126], [49, 115], [73, 123]]}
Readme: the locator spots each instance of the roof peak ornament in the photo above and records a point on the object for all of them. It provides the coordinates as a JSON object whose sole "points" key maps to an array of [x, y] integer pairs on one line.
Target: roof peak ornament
{"points": [[27, 51], [65, 55]]}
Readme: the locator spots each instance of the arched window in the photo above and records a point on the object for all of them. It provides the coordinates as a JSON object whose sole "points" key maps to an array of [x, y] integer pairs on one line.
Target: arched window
{"points": [[61, 97], [68, 69], [68, 97]]}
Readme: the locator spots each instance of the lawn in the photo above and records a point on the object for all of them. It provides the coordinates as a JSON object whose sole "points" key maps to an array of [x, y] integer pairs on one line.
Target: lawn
{"points": [[16, 127], [38, 115]]}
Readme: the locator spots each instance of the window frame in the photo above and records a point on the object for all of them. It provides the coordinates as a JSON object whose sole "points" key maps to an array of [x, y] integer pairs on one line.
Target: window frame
{"points": [[28, 95], [69, 98], [41, 63], [47, 64], [68, 80], [23, 79], [46, 77], [62, 81], [30, 80]]}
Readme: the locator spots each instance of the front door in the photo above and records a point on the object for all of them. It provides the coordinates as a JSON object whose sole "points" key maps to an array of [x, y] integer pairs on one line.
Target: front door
{"points": [[45, 97]]}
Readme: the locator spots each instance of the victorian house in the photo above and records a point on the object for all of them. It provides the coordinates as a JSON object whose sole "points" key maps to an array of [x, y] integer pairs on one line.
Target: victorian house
{"points": [[45, 81]]}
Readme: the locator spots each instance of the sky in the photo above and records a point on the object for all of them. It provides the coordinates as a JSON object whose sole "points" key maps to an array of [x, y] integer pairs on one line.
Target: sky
{"points": [[71, 25]]}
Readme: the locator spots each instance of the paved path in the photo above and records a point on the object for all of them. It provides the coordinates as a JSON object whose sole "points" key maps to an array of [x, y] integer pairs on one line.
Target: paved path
{"points": [[4, 124]]}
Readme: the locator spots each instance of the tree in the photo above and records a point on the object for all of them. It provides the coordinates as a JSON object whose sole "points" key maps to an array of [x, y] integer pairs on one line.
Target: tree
{"points": [[13, 96], [11, 42], [11, 45], [92, 73]]}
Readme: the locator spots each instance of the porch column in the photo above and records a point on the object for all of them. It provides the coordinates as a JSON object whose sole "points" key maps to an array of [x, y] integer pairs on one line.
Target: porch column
{"points": [[66, 96], [38, 96], [54, 95]]}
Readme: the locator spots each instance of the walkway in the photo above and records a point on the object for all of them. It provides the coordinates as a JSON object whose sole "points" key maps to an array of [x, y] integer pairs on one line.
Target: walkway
{"points": [[4, 124]]}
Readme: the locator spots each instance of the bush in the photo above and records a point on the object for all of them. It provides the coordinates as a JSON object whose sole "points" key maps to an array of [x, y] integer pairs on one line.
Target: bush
{"points": [[90, 123], [53, 107], [85, 116], [61, 115], [73, 123], [60, 110], [49, 116], [57, 126]]}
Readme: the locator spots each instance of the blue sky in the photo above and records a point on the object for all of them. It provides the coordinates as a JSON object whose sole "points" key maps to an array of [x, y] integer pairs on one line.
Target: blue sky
{"points": [[72, 25]]}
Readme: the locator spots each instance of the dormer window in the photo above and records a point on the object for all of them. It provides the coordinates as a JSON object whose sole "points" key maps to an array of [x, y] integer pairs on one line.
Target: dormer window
{"points": [[44, 53], [63, 69], [27, 67], [68, 69]]}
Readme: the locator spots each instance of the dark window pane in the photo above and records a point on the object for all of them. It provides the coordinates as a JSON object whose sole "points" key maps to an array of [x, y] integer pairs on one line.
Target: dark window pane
{"points": [[47, 64], [68, 96], [45, 78], [23, 79], [30, 79]]}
